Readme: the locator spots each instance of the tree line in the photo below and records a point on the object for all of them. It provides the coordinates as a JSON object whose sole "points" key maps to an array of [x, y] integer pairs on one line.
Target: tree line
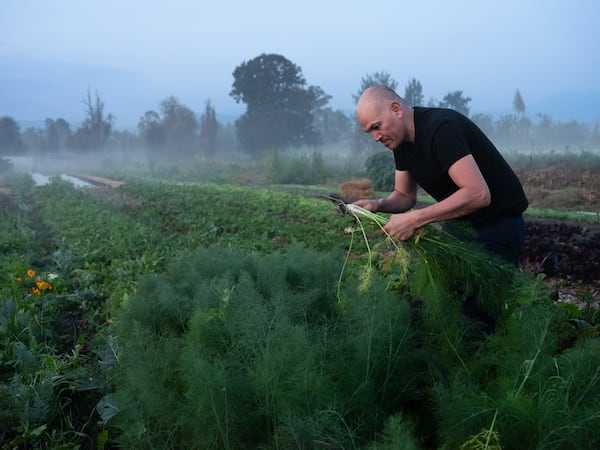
{"points": [[282, 111]]}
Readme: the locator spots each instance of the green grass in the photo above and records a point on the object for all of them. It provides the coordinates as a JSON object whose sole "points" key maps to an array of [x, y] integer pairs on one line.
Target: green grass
{"points": [[544, 213]]}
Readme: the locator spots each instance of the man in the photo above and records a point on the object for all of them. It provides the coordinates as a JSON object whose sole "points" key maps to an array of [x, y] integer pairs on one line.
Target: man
{"points": [[453, 161]]}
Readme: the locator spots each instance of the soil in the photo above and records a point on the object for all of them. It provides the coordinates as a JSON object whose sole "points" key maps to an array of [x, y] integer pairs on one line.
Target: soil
{"points": [[568, 254], [563, 188], [565, 251]]}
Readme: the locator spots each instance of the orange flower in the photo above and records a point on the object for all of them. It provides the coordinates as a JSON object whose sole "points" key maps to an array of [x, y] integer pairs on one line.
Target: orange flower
{"points": [[41, 284], [35, 291], [31, 273], [19, 279]]}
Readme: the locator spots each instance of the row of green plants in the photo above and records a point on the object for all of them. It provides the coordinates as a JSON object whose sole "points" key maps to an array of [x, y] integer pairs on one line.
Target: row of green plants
{"points": [[91, 247], [230, 350], [199, 315]]}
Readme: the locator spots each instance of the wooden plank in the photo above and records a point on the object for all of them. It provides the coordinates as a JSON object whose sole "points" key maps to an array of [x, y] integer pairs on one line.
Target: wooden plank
{"points": [[100, 181]]}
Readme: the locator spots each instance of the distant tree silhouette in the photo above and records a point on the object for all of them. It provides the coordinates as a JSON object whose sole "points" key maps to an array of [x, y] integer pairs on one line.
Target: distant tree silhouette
{"points": [[34, 139], [151, 130], [57, 134], [518, 103], [172, 133], [334, 126], [413, 93], [209, 128], [96, 128], [280, 106], [10, 137], [180, 127], [485, 122], [457, 101]]}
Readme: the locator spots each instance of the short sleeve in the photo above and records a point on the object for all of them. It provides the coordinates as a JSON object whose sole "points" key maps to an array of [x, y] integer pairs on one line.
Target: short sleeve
{"points": [[449, 144]]}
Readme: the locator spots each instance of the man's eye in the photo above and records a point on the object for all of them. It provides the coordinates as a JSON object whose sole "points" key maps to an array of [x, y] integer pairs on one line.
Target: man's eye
{"points": [[374, 127]]}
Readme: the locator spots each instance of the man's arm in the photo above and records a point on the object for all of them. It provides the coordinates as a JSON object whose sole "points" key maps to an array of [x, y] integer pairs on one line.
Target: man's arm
{"points": [[473, 193], [401, 199]]}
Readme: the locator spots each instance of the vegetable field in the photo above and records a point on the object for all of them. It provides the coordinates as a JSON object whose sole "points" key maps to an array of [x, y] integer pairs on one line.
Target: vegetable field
{"points": [[218, 316]]}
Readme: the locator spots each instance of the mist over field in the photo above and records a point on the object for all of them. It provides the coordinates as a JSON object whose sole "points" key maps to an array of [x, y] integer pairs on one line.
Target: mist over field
{"points": [[240, 97]]}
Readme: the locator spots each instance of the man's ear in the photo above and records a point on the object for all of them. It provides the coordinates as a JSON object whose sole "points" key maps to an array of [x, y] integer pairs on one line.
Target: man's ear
{"points": [[396, 108]]}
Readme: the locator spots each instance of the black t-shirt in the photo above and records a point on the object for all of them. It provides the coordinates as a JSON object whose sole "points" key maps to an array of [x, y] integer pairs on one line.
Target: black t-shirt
{"points": [[442, 137]]}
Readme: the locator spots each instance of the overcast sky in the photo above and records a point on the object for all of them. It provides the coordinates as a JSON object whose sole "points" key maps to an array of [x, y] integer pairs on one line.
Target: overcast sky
{"points": [[136, 53]]}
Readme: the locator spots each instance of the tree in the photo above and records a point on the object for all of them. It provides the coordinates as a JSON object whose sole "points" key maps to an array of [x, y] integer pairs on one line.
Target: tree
{"points": [[180, 127], [456, 101], [56, 134], [124, 140], [10, 136], [33, 139], [524, 129], [151, 131], [279, 104], [485, 122], [506, 129], [433, 102], [209, 128], [333, 125], [96, 127], [413, 93], [518, 103], [174, 133]]}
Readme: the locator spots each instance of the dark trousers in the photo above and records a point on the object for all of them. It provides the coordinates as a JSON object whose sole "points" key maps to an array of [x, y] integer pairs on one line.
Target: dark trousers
{"points": [[504, 238]]}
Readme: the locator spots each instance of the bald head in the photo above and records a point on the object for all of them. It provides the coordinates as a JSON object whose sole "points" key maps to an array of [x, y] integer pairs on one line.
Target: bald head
{"points": [[384, 114], [378, 96]]}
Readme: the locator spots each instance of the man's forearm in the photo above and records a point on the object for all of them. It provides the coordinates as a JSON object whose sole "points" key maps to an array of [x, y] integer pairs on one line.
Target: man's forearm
{"points": [[459, 204], [396, 203]]}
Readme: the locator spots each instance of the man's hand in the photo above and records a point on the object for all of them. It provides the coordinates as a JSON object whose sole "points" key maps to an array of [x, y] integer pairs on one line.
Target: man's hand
{"points": [[369, 204], [401, 226]]}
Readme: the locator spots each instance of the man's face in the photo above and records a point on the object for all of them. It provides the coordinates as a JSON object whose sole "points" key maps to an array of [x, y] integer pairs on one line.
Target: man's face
{"points": [[383, 122]]}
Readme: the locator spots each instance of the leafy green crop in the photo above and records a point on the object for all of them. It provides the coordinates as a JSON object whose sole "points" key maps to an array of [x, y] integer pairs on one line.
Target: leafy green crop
{"points": [[218, 316], [235, 350]]}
